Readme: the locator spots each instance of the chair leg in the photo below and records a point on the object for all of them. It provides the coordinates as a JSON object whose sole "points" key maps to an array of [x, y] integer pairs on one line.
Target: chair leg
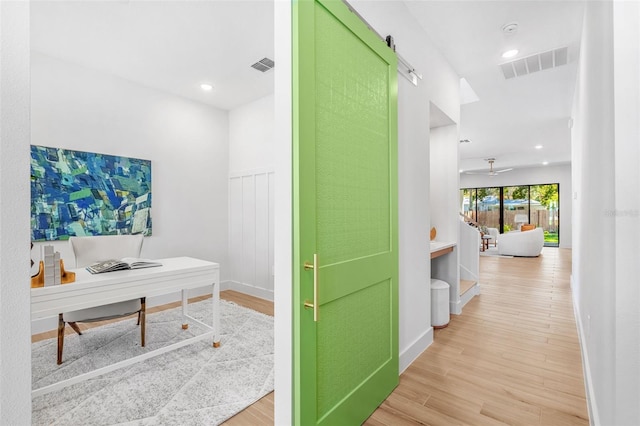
{"points": [[60, 338], [75, 328], [142, 318]]}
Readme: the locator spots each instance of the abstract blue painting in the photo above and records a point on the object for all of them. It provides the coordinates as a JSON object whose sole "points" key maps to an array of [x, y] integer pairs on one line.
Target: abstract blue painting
{"points": [[76, 193]]}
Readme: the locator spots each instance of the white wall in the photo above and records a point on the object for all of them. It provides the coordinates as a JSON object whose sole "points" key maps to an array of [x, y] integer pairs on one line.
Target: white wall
{"points": [[283, 155], [444, 199], [593, 258], [626, 35], [15, 342], [533, 176], [251, 143], [187, 142], [444, 143], [605, 158], [440, 85], [251, 198]]}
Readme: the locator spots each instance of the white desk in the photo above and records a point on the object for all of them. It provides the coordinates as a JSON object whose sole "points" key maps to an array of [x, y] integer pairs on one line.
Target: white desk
{"points": [[175, 274]]}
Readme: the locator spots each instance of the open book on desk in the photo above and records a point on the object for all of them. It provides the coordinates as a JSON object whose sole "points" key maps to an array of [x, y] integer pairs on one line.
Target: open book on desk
{"points": [[120, 264]]}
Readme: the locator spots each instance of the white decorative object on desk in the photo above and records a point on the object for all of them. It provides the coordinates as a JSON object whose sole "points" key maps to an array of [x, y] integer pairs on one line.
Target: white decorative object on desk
{"points": [[56, 268], [51, 261]]}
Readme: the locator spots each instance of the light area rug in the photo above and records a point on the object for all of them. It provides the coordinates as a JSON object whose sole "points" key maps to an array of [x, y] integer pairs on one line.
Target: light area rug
{"points": [[193, 385], [492, 252]]}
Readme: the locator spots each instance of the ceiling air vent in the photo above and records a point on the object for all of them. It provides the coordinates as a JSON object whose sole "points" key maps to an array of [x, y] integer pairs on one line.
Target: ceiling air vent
{"points": [[264, 64], [534, 63]]}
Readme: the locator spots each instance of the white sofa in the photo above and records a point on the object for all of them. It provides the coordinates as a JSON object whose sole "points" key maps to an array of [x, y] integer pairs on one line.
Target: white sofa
{"points": [[516, 243]]}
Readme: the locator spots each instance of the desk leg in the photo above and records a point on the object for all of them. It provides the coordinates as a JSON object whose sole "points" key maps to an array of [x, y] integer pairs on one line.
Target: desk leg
{"points": [[216, 314], [185, 301]]}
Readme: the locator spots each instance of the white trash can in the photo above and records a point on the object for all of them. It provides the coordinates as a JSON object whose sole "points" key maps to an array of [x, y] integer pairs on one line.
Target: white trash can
{"points": [[439, 303]]}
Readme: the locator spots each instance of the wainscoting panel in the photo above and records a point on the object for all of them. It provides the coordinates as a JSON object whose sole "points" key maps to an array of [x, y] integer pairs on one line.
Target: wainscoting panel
{"points": [[251, 227]]}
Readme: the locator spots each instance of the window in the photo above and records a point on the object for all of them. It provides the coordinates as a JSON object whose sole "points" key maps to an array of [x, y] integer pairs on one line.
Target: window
{"points": [[489, 207], [508, 207]]}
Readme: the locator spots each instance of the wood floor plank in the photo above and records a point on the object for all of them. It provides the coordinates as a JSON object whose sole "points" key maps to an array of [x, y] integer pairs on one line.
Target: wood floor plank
{"points": [[461, 410], [507, 415], [422, 414], [556, 418]]}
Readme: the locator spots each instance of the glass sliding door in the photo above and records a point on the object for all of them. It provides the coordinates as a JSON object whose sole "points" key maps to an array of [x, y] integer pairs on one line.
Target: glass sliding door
{"points": [[545, 211], [516, 207], [512, 206], [468, 203], [489, 207]]}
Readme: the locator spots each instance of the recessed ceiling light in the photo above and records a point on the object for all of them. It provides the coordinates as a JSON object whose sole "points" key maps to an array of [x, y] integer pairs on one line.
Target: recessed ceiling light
{"points": [[538, 146], [510, 28], [544, 163], [510, 53], [206, 87]]}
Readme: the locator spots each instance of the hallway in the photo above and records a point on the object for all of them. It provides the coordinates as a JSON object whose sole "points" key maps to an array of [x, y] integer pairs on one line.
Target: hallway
{"points": [[512, 357]]}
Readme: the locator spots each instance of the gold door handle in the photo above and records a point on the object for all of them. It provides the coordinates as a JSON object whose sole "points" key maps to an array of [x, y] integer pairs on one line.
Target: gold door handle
{"points": [[315, 266]]}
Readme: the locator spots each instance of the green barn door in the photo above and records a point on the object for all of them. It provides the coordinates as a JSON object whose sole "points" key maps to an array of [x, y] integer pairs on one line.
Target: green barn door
{"points": [[345, 216]]}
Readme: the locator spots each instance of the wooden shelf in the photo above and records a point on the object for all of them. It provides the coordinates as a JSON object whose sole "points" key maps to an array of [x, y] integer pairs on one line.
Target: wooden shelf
{"points": [[441, 252], [439, 248], [466, 285]]}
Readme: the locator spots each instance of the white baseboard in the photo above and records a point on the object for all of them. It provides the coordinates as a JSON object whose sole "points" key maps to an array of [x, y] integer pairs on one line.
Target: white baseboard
{"points": [[414, 350], [455, 307], [44, 324], [571, 284], [592, 407], [247, 289], [469, 294]]}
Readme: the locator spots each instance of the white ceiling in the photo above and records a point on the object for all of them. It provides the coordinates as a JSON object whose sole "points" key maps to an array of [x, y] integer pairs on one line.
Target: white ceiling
{"points": [[512, 116], [169, 45], [176, 45]]}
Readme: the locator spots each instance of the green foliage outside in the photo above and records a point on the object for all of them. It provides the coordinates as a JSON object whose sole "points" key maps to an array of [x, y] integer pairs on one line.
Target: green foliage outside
{"points": [[545, 194], [483, 193], [551, 237], [516, 192]]}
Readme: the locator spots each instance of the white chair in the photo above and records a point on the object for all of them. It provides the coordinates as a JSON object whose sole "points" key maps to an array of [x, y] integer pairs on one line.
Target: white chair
{"points": [[526, 243], [88, 250], [493, 233]]}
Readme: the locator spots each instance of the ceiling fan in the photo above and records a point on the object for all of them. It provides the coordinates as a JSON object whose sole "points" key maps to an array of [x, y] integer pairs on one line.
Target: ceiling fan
{"points": [[491, 172]]}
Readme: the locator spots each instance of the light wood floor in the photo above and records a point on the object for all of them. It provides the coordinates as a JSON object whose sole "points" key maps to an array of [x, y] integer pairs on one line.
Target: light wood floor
{"points": [[512, 357]]}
